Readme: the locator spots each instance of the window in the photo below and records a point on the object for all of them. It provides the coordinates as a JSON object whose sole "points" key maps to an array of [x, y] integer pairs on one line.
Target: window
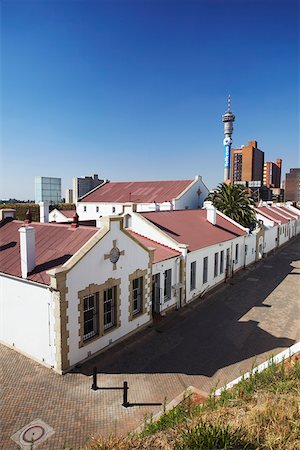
{"points": [[97, 208], [113, 209], [127, 221], [205, 265], [216, 265], [84, 209], [90, 316], [137, 295], [167, 284], [109, 307], [222, 262], [236, 253], [193, 275]]}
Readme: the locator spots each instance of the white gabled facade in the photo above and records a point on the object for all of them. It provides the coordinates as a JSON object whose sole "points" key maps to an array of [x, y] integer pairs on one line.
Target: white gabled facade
{"points": [[57, 216], [93, 269]]}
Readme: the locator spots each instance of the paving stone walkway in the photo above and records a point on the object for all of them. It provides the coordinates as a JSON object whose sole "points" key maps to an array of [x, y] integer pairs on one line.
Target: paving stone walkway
{"points": [[205, 344]]}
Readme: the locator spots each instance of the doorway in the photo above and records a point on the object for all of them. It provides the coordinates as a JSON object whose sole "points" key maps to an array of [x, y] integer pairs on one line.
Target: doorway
{"points": [[156, 293]]}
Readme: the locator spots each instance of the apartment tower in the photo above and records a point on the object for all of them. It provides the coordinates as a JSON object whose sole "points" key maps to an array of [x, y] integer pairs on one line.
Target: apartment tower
{"points": [[247, 164]]}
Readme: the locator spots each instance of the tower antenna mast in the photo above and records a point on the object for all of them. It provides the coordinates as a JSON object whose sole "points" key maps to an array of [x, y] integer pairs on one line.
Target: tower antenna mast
{"points": [[228, 118]]}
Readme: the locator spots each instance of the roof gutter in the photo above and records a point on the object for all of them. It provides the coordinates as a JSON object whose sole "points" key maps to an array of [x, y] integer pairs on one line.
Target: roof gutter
{"points": [[24, 280]]}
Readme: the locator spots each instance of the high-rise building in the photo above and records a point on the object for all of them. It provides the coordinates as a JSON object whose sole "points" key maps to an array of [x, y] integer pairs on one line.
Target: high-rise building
{"points": [[272, 173], [47, 189], [292, 186], [247, 165], [83, 185]]}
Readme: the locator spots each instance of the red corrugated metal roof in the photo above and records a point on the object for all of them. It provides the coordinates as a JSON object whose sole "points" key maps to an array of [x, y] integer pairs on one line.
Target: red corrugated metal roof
{"points": [[138, 191], [54, 246], [67, 212], [270, 212], [191, 227], [287, 212], [162, 252]]}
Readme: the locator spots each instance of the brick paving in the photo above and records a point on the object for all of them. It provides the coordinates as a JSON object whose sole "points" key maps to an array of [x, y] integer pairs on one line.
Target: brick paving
{"points": [[205, 344]]}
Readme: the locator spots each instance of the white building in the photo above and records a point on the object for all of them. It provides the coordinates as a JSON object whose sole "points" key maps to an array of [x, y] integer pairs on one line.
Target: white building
{"points": [[109, 198], [67, 292], [280, 224], [212, 247], [61, 216]]}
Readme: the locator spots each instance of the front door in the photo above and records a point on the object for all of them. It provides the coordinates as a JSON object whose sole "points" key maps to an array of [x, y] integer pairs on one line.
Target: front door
{"points": [[156, 293]]}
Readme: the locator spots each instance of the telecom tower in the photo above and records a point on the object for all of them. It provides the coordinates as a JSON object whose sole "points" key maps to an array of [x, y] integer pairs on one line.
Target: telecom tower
{"points": [[228, 118]]}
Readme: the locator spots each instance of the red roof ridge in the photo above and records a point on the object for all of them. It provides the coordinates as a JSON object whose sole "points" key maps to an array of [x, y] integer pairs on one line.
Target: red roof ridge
{"points": [[152, 240], [55, 224]]}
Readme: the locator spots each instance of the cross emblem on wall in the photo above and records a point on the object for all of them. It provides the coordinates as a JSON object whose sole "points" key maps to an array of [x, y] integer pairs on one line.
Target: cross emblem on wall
{"points": [[114, 254]]}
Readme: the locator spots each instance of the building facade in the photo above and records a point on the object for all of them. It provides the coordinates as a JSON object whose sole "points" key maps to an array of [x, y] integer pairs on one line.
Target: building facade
{"points": [[47, 189], [272, 174], [247, 164], [69, 291], [69, 196], [83, 185], [292, 185]]}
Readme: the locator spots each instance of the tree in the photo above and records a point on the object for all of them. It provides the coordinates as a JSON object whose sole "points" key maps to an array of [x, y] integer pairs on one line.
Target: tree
{"points": [[235, 201]]}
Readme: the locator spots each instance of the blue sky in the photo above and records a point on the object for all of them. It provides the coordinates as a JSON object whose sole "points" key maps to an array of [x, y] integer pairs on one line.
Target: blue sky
{"points": [[135, 90]]}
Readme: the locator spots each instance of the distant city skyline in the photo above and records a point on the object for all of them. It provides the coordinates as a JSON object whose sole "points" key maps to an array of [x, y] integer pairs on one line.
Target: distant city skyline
{"points": [[136, 90]]}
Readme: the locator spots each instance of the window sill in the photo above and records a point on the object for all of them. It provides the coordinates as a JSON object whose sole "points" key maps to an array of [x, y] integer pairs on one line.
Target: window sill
{"points": [[137, 314], [89, 341]]}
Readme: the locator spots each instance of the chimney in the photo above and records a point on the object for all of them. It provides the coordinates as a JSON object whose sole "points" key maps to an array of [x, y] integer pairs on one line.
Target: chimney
{"points": [[28, 216], [75, 223], [252, 144], [211, 212], [27, 250], [44, 212], [7, 214]]}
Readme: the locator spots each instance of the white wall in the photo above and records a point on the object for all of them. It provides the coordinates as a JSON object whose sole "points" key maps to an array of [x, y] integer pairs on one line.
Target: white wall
{"points": [[27, 318], [190, 199], [250, 256], [271, 236], [160, 268], [209, 252], [57, 216], [93, 268], [105, 209]]}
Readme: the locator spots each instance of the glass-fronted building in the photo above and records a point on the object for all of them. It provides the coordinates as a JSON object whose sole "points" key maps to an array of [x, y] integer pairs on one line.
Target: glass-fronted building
{"points": [[47, 189]]}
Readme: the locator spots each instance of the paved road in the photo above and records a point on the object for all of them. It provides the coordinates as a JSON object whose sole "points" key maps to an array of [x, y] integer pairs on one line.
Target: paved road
{"points": [[205, 344]]}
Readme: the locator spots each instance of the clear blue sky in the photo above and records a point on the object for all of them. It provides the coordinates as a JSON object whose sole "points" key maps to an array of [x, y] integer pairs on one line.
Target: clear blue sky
{"points": [[135, 90]]}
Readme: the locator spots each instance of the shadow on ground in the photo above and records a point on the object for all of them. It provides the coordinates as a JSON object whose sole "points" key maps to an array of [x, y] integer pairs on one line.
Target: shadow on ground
{"points": [[207, 335]]}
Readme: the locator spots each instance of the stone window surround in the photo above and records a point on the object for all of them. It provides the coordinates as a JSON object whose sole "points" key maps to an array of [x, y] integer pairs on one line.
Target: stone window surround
{"points": [[137, 274], [93, 289]]}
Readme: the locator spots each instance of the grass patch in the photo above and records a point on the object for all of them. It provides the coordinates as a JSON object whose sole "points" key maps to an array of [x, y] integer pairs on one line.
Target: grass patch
{"points": [[261, 412]]}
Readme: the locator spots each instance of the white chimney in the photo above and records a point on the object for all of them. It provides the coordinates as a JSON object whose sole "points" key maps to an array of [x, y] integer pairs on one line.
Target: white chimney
{"points": [[211, 212], [27, 250], [44, 212]]}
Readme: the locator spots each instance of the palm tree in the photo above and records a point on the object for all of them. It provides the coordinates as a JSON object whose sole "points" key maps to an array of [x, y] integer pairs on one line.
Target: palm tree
{"points": [[235, 201]]}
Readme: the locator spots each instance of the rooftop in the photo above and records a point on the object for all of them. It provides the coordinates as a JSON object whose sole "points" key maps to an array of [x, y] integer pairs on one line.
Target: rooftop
{"points": [[54, 246], [265, 211], [161, 253], [191, 227], [138, 191]]}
